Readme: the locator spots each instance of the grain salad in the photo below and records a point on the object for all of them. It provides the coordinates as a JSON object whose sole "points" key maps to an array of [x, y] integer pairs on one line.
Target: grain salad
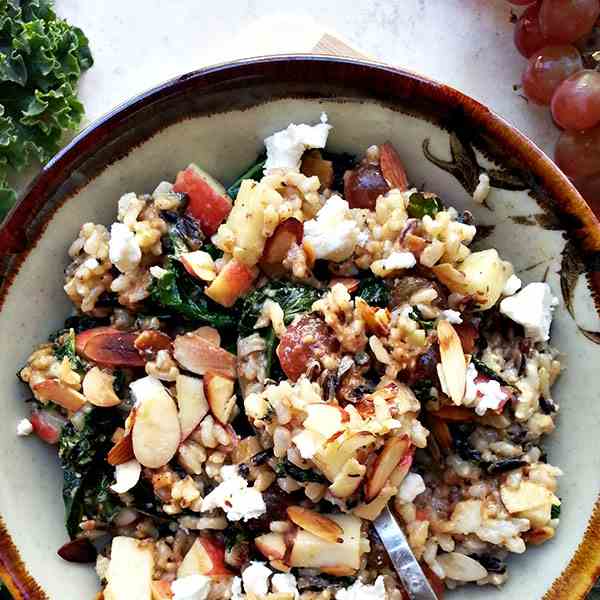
{"points": [[251, 374]]}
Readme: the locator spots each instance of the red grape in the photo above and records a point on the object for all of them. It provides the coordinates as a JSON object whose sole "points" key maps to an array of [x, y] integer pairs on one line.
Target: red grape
{"points": [[528, 35], [521, 2], [565, 21], [577, 153], [576, 102], [547, 69]]}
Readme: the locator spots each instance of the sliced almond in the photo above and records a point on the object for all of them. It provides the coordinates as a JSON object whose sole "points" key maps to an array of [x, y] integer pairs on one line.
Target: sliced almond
{"points": [[390, 457], [210, 334], [197, 355], [315, 523], [350, 283], [219, 392], [453, 361], [371, 510], [461, 567], [52, 390], [193, 406], [377, 320], [98, 388], [271, 545], [121, 452], [341, 571], [392, 167]]}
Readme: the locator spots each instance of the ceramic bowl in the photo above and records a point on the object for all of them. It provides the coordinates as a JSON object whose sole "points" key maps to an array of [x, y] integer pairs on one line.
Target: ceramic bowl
{"points": [[218, 118]]}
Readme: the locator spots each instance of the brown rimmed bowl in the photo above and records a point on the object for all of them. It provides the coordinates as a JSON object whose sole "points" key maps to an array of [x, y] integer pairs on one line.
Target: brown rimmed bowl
{"points": [[218, 117]]}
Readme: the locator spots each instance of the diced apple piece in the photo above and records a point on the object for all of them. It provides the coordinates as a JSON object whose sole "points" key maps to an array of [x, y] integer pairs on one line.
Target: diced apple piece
{"points": [[161, 590], [538, 536], [348, 479], [332, 458], [208, 200], [323, 418], [288, 232], [199, 264], [219, 391], [156, 432], [315, 523], [205, 557], [539, 516], [193, 406], [371, 510], [47, 424], [401, 471], [311, 551], [98, 388], [52, 390], [113, 349], [393, 452], [197, 355], [129, 573], [527, 496], [271, 545], [233, 281]]}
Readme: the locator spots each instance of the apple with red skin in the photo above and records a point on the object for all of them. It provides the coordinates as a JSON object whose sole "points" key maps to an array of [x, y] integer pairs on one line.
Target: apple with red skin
{"points": [[47, 425], [233, 281], [288, 232], [205, 557]]}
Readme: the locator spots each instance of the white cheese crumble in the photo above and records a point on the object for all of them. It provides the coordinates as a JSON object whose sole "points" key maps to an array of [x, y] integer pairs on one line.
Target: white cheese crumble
{"points": [[360, 591], [192, 587], [285, 148], [471, 386], [512, 286], [285, 583], [482, 191], [256, 579], [411, 487], [127, 475], [333, 234], [308, 443], [394, 262], [123, 249], [129, 208], [492, 396], [236, 589], [24, 427], [235, 497], [158, 272], [532, 307], [452, 316]]}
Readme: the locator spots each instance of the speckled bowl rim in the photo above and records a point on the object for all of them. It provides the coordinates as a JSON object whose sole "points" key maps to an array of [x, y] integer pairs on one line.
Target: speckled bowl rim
{"points": [[27, 221]]}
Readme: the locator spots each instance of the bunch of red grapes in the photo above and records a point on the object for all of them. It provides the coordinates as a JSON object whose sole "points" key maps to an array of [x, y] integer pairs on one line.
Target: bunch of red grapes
{"points": [[561, 40]]}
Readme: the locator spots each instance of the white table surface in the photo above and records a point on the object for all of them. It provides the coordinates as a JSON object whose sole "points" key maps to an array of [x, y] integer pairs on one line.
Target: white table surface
{"points": [[465, 43]]}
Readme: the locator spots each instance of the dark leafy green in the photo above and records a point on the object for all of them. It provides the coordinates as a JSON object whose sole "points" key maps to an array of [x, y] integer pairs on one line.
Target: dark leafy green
{"points": [[64, 346], [255, 171], [184, 234], [483, 369], [80, 323], [179, 293], [416, 315], [302, 475], [374, 291], [294, 299], [86, 474], [234, 536], [555, 511], [422, 390], [41, 60], [419, 206]]}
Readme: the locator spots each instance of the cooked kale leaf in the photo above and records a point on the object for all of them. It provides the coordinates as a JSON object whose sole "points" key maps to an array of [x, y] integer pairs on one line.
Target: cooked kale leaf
{"points": [[416, 315], [419, 206], [184, 234], [374, 291], [555, 511], [422, 390], [302, 475], [64, 346], [255, 171], [483, 369]]}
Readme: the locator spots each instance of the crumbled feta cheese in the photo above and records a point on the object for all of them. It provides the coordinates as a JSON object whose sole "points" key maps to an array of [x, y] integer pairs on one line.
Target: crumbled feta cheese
{"points": [[492, 396], [394, 262], [285, 583], [164, 187], [482, 191], [192, 587], [256, 579], [236, 589], [129, 207], [24, 427], [127, 475], [123, 249], [285, 148], [452, 316], [158, 272], [512, 286], [91, 263], [471, 386], [532, 307], [308, 443], [360, 591], [333, 234], [411, 487], [235, 497]]}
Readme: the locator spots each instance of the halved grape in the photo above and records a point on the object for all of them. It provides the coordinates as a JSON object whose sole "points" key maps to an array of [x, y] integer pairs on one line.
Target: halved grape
{"points": [[565, 21], [576, 102], [547, 69], [521, 2], [577, 153], [528, 35]]}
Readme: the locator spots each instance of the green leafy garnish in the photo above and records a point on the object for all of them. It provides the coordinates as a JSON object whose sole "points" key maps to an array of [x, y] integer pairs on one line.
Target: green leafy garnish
{"points": [[416, 315], [86, 474], [483, 369], [254, 172], [64, 346], [374, 291], [41, 60], [555, 511], [419, 206], [179, 293], [234, 537], [294, 299], [422, 390], [286, 468]]}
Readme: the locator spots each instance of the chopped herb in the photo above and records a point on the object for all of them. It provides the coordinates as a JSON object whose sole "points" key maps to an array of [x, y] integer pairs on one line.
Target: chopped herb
{"points": [[483, 369], [234, 537], [416, 315], [374, 291], [286, 468], [211, 249], [422, 390], [253, 172], [419, 205], [555, 511], [64, 346]]}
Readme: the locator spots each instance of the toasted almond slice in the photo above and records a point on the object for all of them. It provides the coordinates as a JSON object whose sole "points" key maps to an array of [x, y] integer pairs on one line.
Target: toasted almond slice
{"points": [[392, 167], [210, 334], [350, 283], [52, 390], [451, 277], [121, 452], [390, 457], [538, 536], [315, 523], [376, 319], [98, 388], [150, 341], [453, 361], [370, 511], [197, 355], [341, 571]]}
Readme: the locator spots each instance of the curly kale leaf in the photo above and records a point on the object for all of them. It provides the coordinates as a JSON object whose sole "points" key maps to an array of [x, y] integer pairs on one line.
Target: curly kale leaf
{"points": [[179, 293], [374, 291], [255, 171], [41, 60], [416, 315], [64, 346], [294, 299]]}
